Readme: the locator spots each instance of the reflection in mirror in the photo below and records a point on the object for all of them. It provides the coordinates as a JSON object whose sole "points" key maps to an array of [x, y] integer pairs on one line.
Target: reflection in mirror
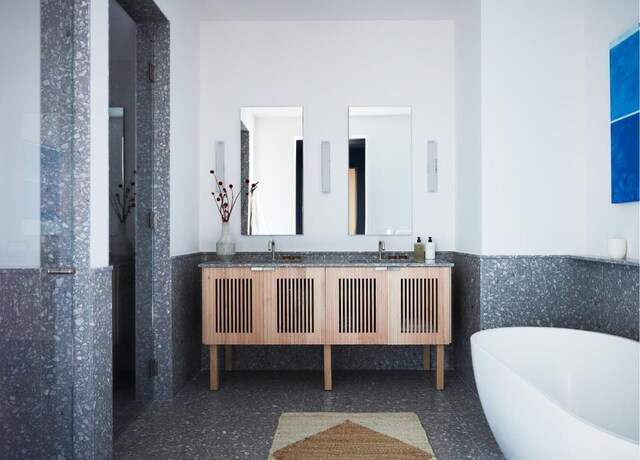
{"points": [[271, 154], [379, 170], [116, 159]]}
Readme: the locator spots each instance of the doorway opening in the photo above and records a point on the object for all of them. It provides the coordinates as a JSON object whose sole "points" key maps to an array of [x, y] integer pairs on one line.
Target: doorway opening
{"points": [[138, 247], [357, 190]]}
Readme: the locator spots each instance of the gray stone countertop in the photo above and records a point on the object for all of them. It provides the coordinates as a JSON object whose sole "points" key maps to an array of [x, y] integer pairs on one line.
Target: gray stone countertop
{"points": [[323, 259]]}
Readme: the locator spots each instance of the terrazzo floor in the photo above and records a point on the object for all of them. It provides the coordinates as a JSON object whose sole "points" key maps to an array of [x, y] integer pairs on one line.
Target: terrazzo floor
{"points": [[239, 420]]}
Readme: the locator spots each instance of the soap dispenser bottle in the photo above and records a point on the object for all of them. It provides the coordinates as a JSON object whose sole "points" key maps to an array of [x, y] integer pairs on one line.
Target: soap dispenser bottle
{"points": [[431, 249], [418, 251]]}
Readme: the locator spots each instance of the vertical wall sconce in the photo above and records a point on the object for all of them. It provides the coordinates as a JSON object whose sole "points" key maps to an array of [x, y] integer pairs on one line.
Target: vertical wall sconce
{"points": [[220, 160], [325, 151], [432, 166]]}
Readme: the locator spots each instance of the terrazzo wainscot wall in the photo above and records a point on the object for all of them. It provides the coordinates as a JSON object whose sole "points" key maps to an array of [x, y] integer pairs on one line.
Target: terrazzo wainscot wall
{"points": [[574, 292], [488, 292]]}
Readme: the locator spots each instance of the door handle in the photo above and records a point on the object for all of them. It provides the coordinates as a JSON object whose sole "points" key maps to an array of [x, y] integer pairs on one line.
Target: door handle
{"points": [[61, 271]]}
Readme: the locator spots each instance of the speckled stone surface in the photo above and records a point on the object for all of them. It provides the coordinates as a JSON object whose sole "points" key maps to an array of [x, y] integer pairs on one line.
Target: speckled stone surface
{"points": [[310, 357], [239, 420], [153, 284], [144, 204], [143, 11], [102, 375], [322, 259], [528, 291], [186, 312], [21, 363], [610, 295], [560, 291], [57, 130], [244, 174], [73, 408], [465, 286], [58, 369], [574, 292], [55, 386]]}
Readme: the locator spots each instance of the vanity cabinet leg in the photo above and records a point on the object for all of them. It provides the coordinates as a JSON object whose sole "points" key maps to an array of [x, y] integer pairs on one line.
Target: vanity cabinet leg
{"points": [[327, 368], [426, 358], [228, 358], [440, 367], [213, 367]]}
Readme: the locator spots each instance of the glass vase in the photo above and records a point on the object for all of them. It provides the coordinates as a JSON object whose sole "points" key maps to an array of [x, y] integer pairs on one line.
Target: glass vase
{"points": [[225, 247]]}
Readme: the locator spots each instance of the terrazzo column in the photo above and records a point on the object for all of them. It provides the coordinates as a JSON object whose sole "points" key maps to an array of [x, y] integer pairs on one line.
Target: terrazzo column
{"points": [[153, 263], [244, 174], [55, 390]]}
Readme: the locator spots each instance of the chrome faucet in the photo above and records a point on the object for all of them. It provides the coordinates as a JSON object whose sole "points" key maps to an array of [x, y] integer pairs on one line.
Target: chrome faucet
{"points": [[272, 247], [380, 249]]}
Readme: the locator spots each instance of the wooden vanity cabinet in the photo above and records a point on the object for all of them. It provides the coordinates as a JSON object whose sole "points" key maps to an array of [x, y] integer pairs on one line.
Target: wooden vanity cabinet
{"points": [[328, 306]]}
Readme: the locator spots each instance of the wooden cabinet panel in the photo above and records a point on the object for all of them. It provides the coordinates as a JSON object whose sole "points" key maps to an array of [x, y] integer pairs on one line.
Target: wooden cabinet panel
{"points": [[294, 306], [356, 306], [232, 301], [419, 305]]}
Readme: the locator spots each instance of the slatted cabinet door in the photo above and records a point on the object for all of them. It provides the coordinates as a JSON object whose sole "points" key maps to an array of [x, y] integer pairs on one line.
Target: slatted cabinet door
{"points": [[356, 306], [232, 306], [294, 306], [420, 305]]}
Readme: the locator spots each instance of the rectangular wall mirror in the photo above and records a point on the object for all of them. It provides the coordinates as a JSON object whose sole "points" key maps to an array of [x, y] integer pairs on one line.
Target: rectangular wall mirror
{"points": [[379, 171], [271, 140]]}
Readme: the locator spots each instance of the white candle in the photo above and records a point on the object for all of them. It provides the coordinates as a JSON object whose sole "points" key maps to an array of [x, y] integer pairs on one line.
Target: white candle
{"points": [[617, 248]]}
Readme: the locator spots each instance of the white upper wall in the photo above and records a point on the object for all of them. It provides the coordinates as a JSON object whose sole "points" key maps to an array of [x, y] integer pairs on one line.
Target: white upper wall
{"points": [[468, 175], [20, 134], [326, 10], [184, 24], [326, 67], [99, 81], [184, 17], [533, 136], [604, 220]]}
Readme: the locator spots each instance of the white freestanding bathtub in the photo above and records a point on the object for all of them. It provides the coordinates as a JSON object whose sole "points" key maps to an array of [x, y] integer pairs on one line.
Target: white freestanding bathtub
{"points": [[552, 393]]}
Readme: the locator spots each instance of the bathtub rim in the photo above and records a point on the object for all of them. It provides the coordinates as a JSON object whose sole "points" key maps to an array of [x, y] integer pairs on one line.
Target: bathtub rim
{"points": [[519, 377]]}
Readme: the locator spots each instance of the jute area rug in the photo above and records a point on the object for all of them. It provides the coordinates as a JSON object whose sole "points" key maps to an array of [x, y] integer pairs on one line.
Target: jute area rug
{"points": [[344, 436]]}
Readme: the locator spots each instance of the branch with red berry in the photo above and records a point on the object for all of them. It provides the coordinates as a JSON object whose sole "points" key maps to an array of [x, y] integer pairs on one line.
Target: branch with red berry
{"points": [[124, 203], [226, 199]]}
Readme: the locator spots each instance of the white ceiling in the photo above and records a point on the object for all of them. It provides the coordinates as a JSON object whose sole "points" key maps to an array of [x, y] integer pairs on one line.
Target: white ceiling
{"points": [[326, 10]]}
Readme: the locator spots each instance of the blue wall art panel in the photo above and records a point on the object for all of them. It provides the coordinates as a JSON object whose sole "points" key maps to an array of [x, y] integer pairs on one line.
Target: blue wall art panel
{"points": [[625, 102], [623, 68], [625, 185]]}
